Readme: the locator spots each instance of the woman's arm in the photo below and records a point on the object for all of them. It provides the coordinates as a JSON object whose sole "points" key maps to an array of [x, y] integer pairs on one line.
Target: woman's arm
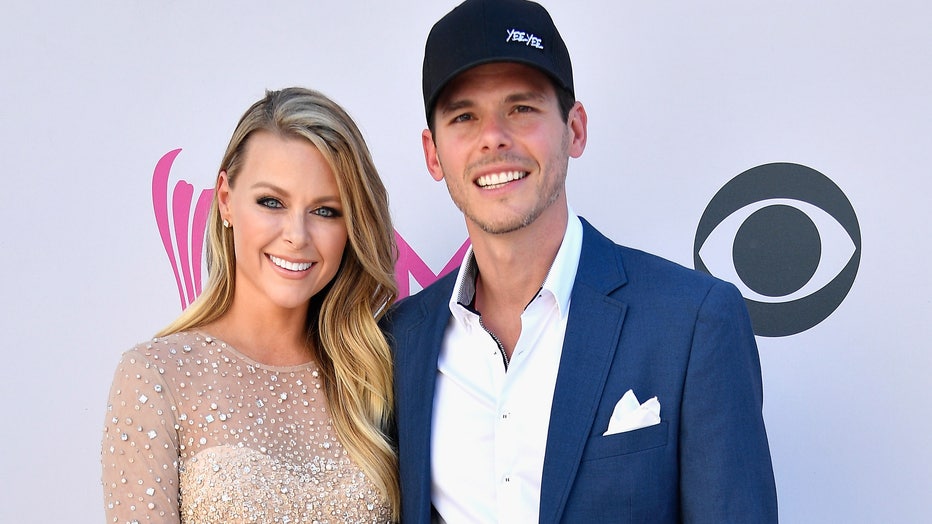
{"points": [[139, 453]]}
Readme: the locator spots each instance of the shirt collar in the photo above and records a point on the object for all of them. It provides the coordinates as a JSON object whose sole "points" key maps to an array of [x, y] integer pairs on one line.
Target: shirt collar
{"points": [[559, 280]]}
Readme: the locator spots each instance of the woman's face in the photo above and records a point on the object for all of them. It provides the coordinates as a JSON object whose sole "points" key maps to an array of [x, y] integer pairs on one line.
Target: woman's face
{"points": [[287, 218]]}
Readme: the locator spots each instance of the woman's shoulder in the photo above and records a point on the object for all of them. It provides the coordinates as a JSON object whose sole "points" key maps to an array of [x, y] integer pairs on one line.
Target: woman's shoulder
{"points": [[179, 343], [186, 360], [173, 348]]}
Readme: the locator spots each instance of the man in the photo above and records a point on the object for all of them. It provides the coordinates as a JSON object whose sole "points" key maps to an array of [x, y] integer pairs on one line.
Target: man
{"points": [[508, 372]]}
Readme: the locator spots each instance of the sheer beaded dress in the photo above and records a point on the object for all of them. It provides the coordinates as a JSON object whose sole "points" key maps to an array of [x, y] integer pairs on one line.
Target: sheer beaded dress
{"points": [[197, 432]]}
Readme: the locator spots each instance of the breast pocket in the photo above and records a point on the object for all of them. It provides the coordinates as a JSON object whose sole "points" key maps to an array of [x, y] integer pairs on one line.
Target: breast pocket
{"points": [[600, 447]]}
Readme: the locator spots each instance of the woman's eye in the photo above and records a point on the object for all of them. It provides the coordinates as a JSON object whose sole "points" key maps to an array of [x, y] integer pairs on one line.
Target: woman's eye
{"points": [[326, 212], [270, 202]]}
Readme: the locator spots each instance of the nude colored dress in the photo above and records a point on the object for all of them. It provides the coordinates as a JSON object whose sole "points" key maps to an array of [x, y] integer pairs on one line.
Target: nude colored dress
{"points": [[197, 432]]}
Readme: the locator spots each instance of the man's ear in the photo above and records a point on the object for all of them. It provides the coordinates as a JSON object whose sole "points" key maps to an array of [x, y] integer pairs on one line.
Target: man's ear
{"points": [[577, 122], [430, 155]]}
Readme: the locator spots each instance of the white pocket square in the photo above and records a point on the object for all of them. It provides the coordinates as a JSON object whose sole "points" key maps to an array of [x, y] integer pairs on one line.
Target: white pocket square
{"points": [[629, 414]]}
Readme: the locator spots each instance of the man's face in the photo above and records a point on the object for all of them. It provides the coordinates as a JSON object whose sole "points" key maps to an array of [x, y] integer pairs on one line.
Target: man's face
{"points": [[502, 146]]}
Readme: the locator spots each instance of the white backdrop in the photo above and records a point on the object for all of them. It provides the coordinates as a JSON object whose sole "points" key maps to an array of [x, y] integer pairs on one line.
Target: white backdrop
{"points": [[682, 97]]}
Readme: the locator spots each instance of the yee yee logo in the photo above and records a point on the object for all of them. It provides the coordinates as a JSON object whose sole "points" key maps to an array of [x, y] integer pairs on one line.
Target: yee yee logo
{"points": [[182, 223]]}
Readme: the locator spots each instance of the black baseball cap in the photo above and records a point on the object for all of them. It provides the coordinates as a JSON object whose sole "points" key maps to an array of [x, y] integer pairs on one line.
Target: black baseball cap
{"points": [[479, 32]]}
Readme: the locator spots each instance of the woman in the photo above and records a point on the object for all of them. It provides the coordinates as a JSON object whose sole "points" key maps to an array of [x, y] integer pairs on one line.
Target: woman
{"points": [[269, 398]]}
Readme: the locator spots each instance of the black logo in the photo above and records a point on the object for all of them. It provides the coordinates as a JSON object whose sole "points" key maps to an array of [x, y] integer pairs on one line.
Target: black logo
{"points": [[788, 237]]}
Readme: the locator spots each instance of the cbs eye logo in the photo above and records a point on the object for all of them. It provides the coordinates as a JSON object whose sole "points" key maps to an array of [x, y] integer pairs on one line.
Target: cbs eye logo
{"points": [[788, 238]]}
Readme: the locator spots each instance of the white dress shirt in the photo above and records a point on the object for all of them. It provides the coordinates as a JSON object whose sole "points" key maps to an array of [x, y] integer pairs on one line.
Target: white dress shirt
{"points": [[490, 424]]}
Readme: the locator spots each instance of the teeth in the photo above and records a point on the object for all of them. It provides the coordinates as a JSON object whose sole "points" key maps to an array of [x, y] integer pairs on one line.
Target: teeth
{"points": [[290, 266], [497, 179]]}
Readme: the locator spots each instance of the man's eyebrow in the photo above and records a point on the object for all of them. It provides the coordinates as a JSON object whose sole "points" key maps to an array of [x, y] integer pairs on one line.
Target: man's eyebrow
{"points": [[464, 103], [455, 105], [525, 96]]}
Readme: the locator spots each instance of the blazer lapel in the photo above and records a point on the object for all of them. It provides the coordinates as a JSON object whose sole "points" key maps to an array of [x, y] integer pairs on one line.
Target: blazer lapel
{"points": [[416, 373], [589, 347]]}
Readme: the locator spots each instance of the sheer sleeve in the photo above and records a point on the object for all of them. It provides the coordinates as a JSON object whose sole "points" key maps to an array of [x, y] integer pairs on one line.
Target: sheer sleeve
{"points": [[140, 453]]}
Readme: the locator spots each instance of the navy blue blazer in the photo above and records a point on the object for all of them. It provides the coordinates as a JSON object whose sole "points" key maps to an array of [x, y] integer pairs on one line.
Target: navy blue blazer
{"points": [[638, 322]]}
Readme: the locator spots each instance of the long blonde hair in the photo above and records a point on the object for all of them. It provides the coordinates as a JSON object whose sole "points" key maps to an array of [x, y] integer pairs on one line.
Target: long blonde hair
{"points": [[342, 322]]}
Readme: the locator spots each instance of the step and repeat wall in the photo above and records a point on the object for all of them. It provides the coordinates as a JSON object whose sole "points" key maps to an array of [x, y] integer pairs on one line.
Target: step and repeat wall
{"points": [[783, 146]]}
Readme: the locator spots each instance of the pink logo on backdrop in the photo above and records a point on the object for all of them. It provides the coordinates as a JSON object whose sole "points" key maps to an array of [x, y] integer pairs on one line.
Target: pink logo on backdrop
{"points": [[409, 263], [182, 235], [182, 225]]}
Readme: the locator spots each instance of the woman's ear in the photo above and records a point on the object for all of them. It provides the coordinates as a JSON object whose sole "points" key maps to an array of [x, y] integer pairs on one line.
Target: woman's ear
{"points": [[223, 196]]}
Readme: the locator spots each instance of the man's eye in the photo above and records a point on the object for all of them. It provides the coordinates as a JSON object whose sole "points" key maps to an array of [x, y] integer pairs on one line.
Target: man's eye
{"points": [[524, 109], [465, 117], [269, 202]]}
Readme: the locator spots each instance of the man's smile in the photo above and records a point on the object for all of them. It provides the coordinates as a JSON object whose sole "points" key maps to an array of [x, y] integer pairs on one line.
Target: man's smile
{"points": [[495, 180]]}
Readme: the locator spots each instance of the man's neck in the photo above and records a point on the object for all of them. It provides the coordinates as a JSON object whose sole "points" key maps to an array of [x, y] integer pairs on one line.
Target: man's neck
{"points": [[512, 268], [514, 265]]}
